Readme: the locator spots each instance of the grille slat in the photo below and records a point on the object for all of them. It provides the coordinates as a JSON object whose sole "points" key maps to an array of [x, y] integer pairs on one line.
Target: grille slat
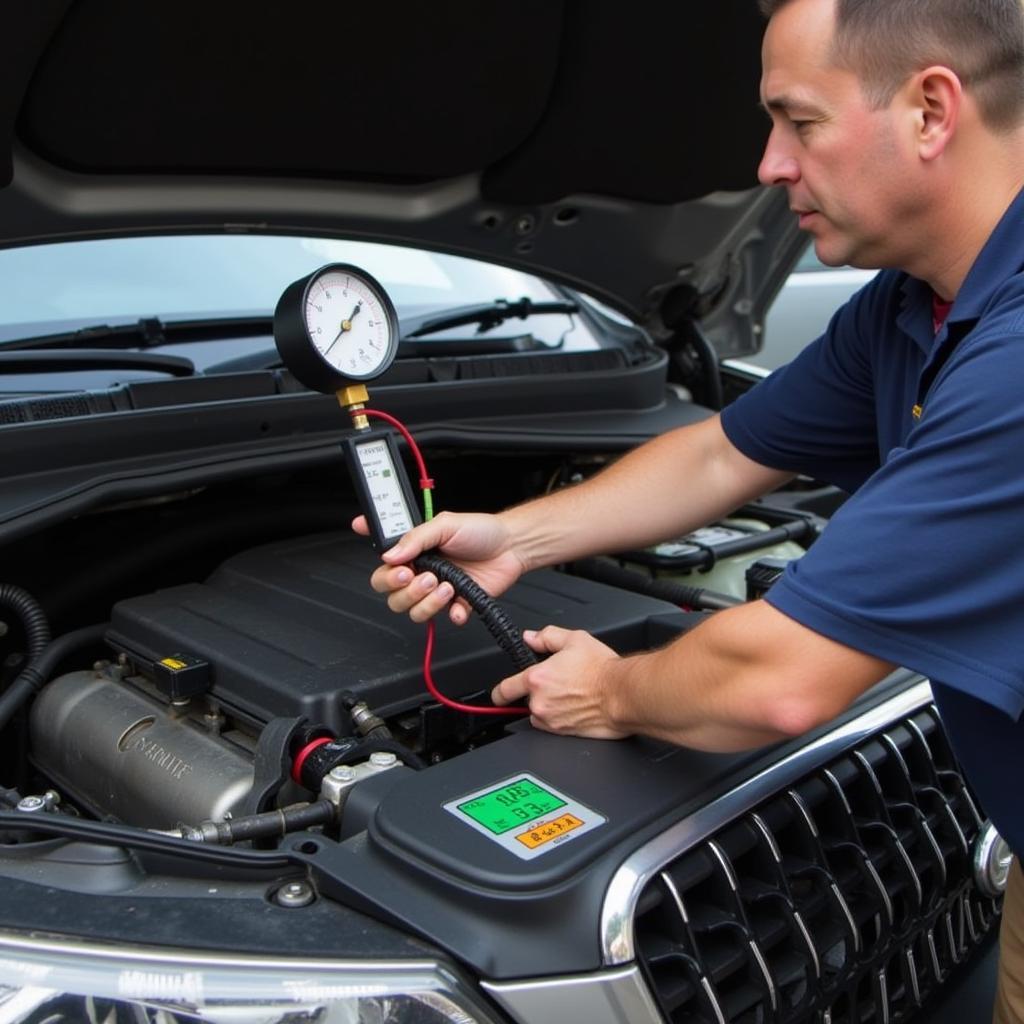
{"points": [[847, 898]]}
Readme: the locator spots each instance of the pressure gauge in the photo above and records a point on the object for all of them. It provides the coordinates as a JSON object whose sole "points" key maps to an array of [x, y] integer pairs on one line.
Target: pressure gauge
{"points": [[334, 327]]}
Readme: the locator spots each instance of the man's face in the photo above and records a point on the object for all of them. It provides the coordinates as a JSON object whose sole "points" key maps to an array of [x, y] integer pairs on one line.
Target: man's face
{"points": [[842, 163]]}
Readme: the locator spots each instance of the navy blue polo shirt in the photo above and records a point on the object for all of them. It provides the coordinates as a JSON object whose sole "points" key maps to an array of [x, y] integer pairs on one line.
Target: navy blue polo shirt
{"points": [[924, 564]]}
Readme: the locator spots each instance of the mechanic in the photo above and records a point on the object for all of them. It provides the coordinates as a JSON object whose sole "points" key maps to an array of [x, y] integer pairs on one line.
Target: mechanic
{"points": [[898, 133]]}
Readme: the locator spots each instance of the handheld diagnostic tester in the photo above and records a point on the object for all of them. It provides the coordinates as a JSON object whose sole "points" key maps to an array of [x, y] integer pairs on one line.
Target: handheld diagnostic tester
{"points": [[337, 329]]}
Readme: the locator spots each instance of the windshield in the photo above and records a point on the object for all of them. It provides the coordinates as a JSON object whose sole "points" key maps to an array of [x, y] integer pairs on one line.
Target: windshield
{"points": [[65, 285]]}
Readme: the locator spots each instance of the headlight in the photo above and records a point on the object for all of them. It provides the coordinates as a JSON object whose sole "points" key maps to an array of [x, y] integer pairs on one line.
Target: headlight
{"points": [[63, 981]]}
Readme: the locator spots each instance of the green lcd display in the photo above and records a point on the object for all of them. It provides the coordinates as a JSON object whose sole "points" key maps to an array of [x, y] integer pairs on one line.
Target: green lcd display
{"points": [[513, 804]]}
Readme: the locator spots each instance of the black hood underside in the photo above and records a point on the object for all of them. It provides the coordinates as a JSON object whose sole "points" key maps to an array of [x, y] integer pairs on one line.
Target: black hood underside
{"points": [[612, 147]]}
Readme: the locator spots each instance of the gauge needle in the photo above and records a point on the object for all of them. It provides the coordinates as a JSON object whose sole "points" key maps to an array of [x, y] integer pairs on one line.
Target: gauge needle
{"points": [[346, 325]]}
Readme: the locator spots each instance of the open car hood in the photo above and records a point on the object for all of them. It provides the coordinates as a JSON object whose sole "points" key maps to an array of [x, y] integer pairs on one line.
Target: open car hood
{"points": [[611, 148]]}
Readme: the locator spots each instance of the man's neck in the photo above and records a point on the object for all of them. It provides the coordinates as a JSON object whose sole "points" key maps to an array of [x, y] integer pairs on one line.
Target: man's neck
{"points": [[970, 211]]}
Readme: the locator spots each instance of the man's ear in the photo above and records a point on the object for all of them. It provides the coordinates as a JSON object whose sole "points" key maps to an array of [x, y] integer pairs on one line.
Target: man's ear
{"points": [[935, 96]]}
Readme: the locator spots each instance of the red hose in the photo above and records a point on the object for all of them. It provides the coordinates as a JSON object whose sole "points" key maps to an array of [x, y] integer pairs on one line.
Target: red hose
{"points": [[473, 709]]}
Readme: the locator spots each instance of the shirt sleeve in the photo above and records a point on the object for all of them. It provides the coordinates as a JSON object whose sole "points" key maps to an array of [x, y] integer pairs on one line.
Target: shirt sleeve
{"points": [[921, 566], [817, 415]]}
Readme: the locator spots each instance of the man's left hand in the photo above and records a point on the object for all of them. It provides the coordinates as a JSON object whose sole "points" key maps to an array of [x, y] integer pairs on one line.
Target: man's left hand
{"points": [[570, 691]]}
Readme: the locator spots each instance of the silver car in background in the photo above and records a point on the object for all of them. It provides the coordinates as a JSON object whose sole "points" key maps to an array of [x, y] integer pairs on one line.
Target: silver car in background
{"points": [[804, 306]]}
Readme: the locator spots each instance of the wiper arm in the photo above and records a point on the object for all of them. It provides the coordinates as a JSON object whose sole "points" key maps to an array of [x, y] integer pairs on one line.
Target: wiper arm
{"points": [[486, 316], [148, 332], [20, 361]]}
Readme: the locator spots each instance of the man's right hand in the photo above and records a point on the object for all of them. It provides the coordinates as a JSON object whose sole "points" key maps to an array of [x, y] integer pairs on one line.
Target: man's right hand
{"points": [[478, 543]]}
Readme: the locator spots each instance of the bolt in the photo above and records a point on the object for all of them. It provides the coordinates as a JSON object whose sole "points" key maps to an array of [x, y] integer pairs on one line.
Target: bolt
{"points": [[342, 773], [294, 894], [32, 804], [383, 759], [524, 224]]}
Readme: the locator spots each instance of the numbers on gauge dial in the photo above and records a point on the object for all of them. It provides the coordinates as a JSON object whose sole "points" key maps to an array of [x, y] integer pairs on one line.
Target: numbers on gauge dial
{"points": [[347, 323]]}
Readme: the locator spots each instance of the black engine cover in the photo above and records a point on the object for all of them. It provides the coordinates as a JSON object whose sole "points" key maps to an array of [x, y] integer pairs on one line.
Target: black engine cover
{"points": [[289, 627]]}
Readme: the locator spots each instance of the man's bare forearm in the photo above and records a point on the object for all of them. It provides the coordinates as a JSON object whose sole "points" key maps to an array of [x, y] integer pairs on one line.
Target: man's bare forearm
{"points": [[648, 495], [748, 676]]}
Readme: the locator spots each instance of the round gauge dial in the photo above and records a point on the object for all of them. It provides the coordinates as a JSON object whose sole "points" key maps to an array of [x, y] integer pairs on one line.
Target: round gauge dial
{"points": [[336, 326]]}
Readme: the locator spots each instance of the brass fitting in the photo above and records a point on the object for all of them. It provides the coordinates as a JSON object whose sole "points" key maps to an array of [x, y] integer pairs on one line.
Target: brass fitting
{"points": [[353, 398]]}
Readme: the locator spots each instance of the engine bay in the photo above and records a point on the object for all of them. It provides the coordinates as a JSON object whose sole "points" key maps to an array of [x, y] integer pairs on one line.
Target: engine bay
{"points": [[238, 643], [166, 732]]}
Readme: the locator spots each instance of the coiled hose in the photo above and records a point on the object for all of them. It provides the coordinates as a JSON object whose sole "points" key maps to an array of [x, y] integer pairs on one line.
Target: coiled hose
{"points": [[493, 616]]}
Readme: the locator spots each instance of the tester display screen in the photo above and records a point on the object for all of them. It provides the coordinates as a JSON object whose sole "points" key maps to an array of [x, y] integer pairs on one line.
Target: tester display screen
{"points": [[511, 805], [382, 484]]}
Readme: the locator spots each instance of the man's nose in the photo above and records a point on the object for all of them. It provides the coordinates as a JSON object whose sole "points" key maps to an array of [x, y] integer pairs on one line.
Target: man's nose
{"points": [[777, 166]]}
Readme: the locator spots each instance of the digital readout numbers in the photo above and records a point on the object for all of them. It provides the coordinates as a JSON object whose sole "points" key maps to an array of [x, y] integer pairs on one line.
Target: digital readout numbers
{"points": [[524, 816], [384, 489]]}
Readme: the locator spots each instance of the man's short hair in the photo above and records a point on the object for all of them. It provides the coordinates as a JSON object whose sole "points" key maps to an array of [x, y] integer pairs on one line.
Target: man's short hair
{"points": [[886, 41]]}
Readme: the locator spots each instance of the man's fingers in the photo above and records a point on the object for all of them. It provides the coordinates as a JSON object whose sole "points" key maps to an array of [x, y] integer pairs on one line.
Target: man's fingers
{"points": [[387, 578], [509, 690], [360, 527], [548, 640], [459, 613], [424, 597], [435, 601], [420, 538]]}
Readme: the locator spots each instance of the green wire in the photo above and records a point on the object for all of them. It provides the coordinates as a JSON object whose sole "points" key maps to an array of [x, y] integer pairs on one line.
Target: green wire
{"points": [[428, 504]]}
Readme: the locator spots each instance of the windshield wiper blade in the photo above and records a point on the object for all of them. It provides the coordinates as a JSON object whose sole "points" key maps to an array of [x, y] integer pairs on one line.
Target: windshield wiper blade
{"points": [[147, 332], [486, 316], [30, 361]]}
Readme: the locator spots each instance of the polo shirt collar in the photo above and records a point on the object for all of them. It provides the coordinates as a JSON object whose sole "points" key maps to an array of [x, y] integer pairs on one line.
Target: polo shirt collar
{"points": [[1001, 257]]}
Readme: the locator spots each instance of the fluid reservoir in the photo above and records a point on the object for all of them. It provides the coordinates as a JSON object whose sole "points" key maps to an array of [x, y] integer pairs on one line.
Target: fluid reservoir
{"points": [[119, 752], [681, 559]]}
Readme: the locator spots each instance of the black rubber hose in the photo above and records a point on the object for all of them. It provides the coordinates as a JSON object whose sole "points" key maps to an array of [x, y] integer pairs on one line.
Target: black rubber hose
{"points": [[668, 590], [493, 616], [35, 675], [265, 825], [33, 618], [140, 839], [796, 530]]}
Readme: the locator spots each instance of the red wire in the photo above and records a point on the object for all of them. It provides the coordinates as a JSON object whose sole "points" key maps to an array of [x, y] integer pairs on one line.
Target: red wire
{"points": [[474, 709], [428, 652], [425, 480]]}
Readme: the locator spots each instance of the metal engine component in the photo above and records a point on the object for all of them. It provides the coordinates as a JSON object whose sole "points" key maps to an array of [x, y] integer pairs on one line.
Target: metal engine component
{"points": [[339, 781], [119, 752]]}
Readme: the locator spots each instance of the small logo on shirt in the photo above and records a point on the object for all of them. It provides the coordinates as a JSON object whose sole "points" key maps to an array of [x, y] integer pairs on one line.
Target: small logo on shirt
{"points": [[916, 411]]}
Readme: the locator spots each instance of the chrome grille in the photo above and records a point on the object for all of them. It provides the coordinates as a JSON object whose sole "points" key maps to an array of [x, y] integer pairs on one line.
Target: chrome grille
{"points": [[845, 897]]}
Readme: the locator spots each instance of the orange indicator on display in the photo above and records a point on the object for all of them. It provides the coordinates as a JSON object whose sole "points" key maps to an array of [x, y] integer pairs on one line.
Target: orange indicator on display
{"points": [[549, 830]]}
